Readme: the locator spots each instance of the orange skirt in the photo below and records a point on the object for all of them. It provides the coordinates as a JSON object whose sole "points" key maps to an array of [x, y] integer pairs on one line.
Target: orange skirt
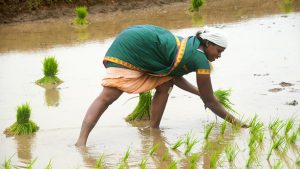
{"points": [[131, 81]]}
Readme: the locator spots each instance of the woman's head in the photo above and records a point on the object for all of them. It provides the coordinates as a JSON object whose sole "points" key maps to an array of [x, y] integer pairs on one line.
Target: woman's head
{"points": [[213, 42]]}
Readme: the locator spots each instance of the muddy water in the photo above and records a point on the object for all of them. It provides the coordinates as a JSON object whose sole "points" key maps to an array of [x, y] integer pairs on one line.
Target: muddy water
{"points": [[264, 52]]}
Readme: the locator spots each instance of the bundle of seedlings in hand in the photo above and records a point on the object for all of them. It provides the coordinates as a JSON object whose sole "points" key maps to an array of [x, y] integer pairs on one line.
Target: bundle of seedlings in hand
{"points": [[223, 97], [81, 13], [23, 125], [100, 162], [196, 4], [208, 129], [142, 110], [50, 69], [230, 152]]}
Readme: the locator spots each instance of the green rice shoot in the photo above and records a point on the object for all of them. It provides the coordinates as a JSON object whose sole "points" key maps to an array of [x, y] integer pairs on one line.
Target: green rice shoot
{"points": [[196, 4], [50, 69], [125, 158], [49, 165], [165, 155], [191, 142], [292, 138], [177, 144], [288, 126], [214, 160], [30, 165], [223, 127], [252, 157], [298, 161], [193, 160], [173, 165], [154, 149], [142, 110], [276, 145], [223, 97], [81, 13], [23, 125], [208, 129], [143, 163], [230, 152], [100, 162], [275, 127], [278, 165]]}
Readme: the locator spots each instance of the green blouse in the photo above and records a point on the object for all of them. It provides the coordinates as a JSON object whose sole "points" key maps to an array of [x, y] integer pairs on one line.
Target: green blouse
{"points": [[156, 51]]}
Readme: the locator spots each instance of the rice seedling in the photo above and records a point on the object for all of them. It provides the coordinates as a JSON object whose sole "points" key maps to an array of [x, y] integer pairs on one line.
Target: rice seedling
{"points": [[292, 138], [223, 127], [276, 145], [231, 152], [121, 165], [177, 144], [189, 145], [223, 97], [165, 155], [23, 125], [49, 165], [278, 165], [275, 127], [100, 162], [208, 130], [252, 157], [298, 161], [193, 160], [81, 13], [214, 160], [173, 165], [142, 110], [50, 69], [154, 149], [125, 158], [143, 163], [29, 166], [196, 4], [7, 164], [256, 131], [289, 125]]}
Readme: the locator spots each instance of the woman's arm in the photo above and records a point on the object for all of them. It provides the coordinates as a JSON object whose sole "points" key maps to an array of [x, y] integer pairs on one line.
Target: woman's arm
{"points": [[207, 96], [183, 84]]}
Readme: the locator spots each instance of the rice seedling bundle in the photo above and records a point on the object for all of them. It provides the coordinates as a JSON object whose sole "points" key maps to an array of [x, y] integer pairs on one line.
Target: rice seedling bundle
{"points": [[50, 69], [143, 163], [298, 161], [124, 159], [288, 126], [165, 155], [276, 145], [142, 110], [154, 149], [275, 127], [173, 165], [223, 127], [292, 138], [278, 165], [208, 130], [193, 160], [100, 162], [223, 97], [49, 165], [190, 145], [23, 125], [30, 165], [230, 152], [214, 160], [178, 144], [81, 13]]}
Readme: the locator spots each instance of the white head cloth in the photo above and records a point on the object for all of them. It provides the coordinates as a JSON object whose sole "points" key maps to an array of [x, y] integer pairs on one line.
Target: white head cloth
{"points": [[214, 35]]}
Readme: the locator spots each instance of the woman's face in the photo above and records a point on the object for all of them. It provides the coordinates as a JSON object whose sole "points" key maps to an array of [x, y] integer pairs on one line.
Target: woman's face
{"points": [[213, 51]]}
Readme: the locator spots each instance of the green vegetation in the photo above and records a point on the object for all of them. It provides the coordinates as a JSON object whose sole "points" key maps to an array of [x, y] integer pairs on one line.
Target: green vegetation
{"points": [[50, 69], [81, 13], [289, 125], [100, 162], [196, 4], [193, 160], [154, 149], [275, 127], [214, 160], [125, 158], [223, 127], [298, 161], [29, 166], [143, 163], [177, 144], [173, 165], [230, 152], [165, 155], [23, 125], [276, 145], [49, 165], [142, 110], [223, 97], [208, 129], [292, 138], [278, 165], [190, 143]]}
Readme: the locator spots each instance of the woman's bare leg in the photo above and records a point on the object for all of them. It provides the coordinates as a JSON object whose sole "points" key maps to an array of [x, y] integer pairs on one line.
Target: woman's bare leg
{"points": [[94, 112], [159, 103]]}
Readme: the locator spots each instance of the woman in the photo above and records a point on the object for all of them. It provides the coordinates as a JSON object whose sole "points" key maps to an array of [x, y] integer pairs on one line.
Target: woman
{"points": [[145, 57]]}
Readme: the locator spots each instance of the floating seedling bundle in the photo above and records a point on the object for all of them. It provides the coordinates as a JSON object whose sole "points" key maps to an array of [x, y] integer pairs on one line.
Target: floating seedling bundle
{"points": [[142, 110], [50, 69], [23, 125]]}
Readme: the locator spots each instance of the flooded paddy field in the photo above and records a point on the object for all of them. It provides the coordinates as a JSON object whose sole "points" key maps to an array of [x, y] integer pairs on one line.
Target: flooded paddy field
{"points": [[261, 66]]}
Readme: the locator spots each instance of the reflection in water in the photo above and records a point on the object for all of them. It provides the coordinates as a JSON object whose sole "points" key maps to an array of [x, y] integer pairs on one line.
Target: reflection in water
{"points": [[52, 97], [24, 143], [198, 19], [287, 6]]}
